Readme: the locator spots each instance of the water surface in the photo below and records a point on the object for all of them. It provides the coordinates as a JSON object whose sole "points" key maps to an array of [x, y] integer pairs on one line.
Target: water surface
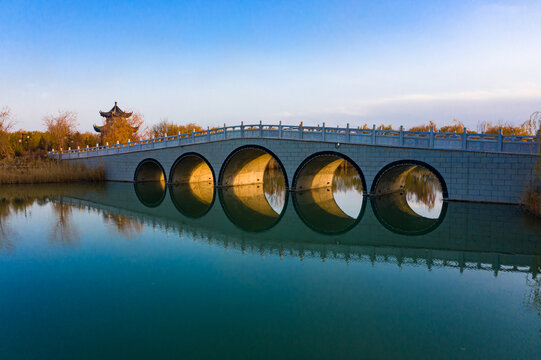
{"points": [[151, 271]]}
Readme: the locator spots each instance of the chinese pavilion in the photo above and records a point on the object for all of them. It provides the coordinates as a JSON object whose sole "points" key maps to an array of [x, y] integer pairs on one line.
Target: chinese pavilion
{"points": [[113, 115]]}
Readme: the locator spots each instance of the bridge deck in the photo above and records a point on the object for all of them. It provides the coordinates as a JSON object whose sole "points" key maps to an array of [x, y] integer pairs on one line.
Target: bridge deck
{"points": [[512, 144]]}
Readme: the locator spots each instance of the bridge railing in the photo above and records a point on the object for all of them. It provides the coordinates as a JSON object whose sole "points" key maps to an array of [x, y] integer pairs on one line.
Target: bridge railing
{"points": [[513, 144]]}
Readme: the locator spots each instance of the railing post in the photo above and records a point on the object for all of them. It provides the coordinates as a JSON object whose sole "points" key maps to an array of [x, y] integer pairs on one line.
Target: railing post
{"points": [[280, 129], [208, 133], [225, 131], [431, 138], [465, 139], [500, 140], [401, 135], [348, 135], [374, 134], [260, 128], [242, 129], [323, 131], [300, 130], [178, 138]]}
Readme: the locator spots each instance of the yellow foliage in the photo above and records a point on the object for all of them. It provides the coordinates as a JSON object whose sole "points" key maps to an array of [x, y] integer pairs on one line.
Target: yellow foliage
{"points": [[166, 128], [122, 129]]}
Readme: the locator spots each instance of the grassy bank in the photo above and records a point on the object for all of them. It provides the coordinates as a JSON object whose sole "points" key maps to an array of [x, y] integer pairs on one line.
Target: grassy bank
{"points": [[532, 198], [37, 171]]}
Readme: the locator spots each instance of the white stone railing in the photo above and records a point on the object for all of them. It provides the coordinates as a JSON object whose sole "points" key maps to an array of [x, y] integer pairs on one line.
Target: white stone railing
{"points": [[513, 144]]}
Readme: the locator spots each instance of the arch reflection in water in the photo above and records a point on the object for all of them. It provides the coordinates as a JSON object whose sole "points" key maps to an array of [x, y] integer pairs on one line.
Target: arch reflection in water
{"points": [[333, 209], [192, 199], [393, 211], [192, 185], [255, 207], [423, 186], [150, 194]]}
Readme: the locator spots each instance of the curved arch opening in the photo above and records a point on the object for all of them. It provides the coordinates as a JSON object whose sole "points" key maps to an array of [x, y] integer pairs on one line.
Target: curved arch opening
{"points": [[414, 187], [149, 170], [332, 182], [247, 165], [191, 168], [192, 185], [257, 177]]}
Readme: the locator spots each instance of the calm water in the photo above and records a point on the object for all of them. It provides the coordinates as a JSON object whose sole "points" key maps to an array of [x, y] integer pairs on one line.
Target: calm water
{"points": [[117, 270]]}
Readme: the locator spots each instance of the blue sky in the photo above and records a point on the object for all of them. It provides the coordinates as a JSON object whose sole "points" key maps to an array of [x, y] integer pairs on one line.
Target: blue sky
{"points": [[397, 62]]}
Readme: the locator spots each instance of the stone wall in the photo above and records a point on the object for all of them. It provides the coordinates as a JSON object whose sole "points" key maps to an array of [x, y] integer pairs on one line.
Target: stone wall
{"points": [[468, 175]]}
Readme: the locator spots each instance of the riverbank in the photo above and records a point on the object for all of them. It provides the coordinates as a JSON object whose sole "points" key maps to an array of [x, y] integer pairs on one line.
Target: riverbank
{"points": [[38, 171], [532, 198]]}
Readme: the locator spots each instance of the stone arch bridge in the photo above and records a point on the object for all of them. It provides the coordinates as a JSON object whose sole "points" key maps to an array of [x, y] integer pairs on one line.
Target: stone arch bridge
{"points": [[470, 167]]}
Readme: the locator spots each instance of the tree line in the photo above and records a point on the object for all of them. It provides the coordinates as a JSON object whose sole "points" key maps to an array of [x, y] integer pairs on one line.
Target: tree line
{"points": [[61, 132]]}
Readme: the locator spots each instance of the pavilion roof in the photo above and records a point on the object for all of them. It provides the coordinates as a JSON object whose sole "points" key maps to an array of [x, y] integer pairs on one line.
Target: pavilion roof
{"points": [[116, 112]]}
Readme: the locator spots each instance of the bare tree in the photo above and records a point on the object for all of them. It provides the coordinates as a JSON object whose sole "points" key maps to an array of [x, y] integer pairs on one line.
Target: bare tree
{"points": [[60, 127], [6, 124], [6, 120], [533, 124]]}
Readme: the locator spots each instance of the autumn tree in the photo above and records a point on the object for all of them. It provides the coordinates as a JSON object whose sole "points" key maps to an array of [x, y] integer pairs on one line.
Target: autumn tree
{"points": [[425, 128], [165, 127], [123, 129], [61, 128]]}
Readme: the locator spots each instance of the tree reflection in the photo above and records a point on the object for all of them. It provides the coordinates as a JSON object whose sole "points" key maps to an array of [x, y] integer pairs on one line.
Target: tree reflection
{"points": [[274, 186], [532, 298], [5, 230], [422, 186], [63, 231], [125, 225], [346, 178]]}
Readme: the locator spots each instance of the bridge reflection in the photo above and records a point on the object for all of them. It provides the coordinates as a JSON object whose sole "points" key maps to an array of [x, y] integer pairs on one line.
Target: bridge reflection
{"points": [[319, 210], [464, 236], [249, 208], [150, 194], [394, 212], [192, 199]]}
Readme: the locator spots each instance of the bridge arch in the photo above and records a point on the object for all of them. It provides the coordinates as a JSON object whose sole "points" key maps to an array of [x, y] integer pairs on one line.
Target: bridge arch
{"points": [[191, 186], [318, 170], [191, 167], [246, 165], [391, 178], [149, 170]]}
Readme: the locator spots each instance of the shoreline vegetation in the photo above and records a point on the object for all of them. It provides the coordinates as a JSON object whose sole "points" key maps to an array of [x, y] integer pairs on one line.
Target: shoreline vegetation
{"points": [[40, 171], [532, 198], [23, 154]]}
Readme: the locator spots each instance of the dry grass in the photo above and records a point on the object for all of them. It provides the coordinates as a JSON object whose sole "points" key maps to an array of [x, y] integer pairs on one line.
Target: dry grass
{"points": [[532, 199], [46, 171], [532, 196]]}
